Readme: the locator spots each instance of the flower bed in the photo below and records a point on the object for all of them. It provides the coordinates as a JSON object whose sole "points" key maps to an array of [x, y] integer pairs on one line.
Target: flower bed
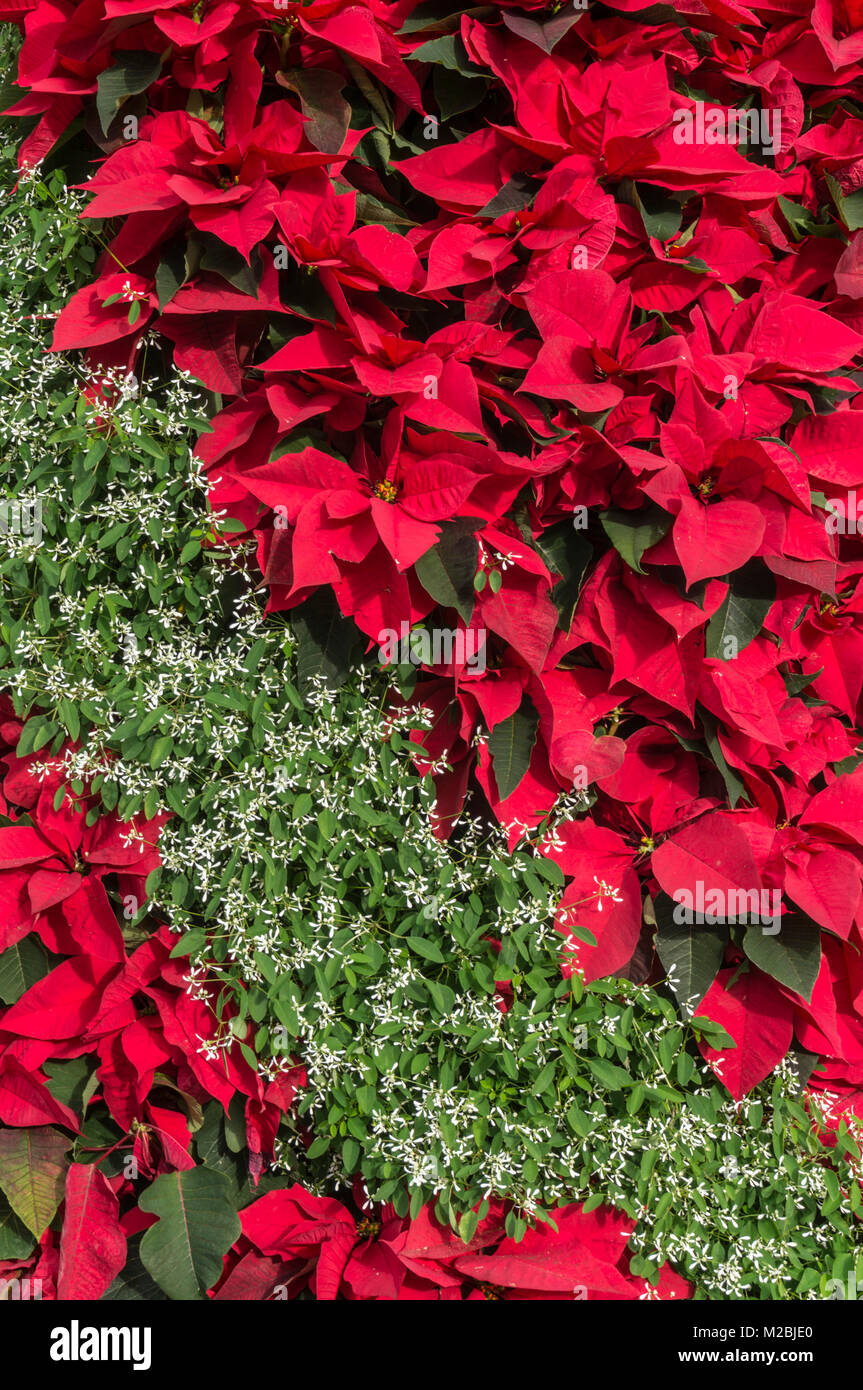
{"points": [[477, 913]]}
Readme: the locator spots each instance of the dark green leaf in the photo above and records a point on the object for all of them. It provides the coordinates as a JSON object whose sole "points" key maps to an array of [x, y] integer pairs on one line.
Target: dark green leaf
{"points": [[328, 114], [740, 616], [133, 1283], [690, 955], [326, 640], [632, 533], [22, 965], [197, 1226], [455, 93], [792, 956], [510, 744], [517, 193], [131, 74], [447, 571], [568, 553]]}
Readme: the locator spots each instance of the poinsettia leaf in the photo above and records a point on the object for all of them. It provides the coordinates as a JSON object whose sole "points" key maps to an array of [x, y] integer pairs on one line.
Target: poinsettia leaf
{"points": [[228, 262], [197, 1226], [660, 214], [690, 955], [171, 273], [510, 744], [801, 221], [133, 1283], [632, 533], [796, 682], [734, 787], [450, 52], [747, 1005], [567, 552], [740, 616], [22, 965], [92, 1242], [850, 208], [455, 93], [328, 114], [327, 642], [436, 14], [517, 193], [133, 73], [546, 35], [447, 571], [72, 1082], [792, 955], [16, 1241], [32, 1169]]}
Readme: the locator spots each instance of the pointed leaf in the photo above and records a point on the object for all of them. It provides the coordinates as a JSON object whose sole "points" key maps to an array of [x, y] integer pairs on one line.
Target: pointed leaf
{"points": [[631, 533], [792, 956], [740, 617], [690, 955], [197, 1226], [32, 1167], [447, 571], [510, 744], [92, 1243], [134, 73]]}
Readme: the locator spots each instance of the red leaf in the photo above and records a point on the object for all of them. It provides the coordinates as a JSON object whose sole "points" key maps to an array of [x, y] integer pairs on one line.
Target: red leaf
{"points": [[92, 1243]]}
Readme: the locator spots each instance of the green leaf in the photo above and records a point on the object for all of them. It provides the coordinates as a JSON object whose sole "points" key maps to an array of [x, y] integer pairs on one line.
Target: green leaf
{"points": [[328, 114], [16, 1241], [450, 52], [170, 273], [632, 533], [734, 786], [22, 965], [133, 1283], [442, 995], [690, 955], [517, 193], [429, 950], [447, 571], [850, 208], [32, 1173], [545, 35], [326, 642], [133, 73], [455, 93], [661, 215], [510, 744], [190, 942], [226, 261], [612, 1077], [797, 681], [197, 1226], [800, 221], [740, 616], [792, 956], [161, 750], [73, 1082], [567, 552]]}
